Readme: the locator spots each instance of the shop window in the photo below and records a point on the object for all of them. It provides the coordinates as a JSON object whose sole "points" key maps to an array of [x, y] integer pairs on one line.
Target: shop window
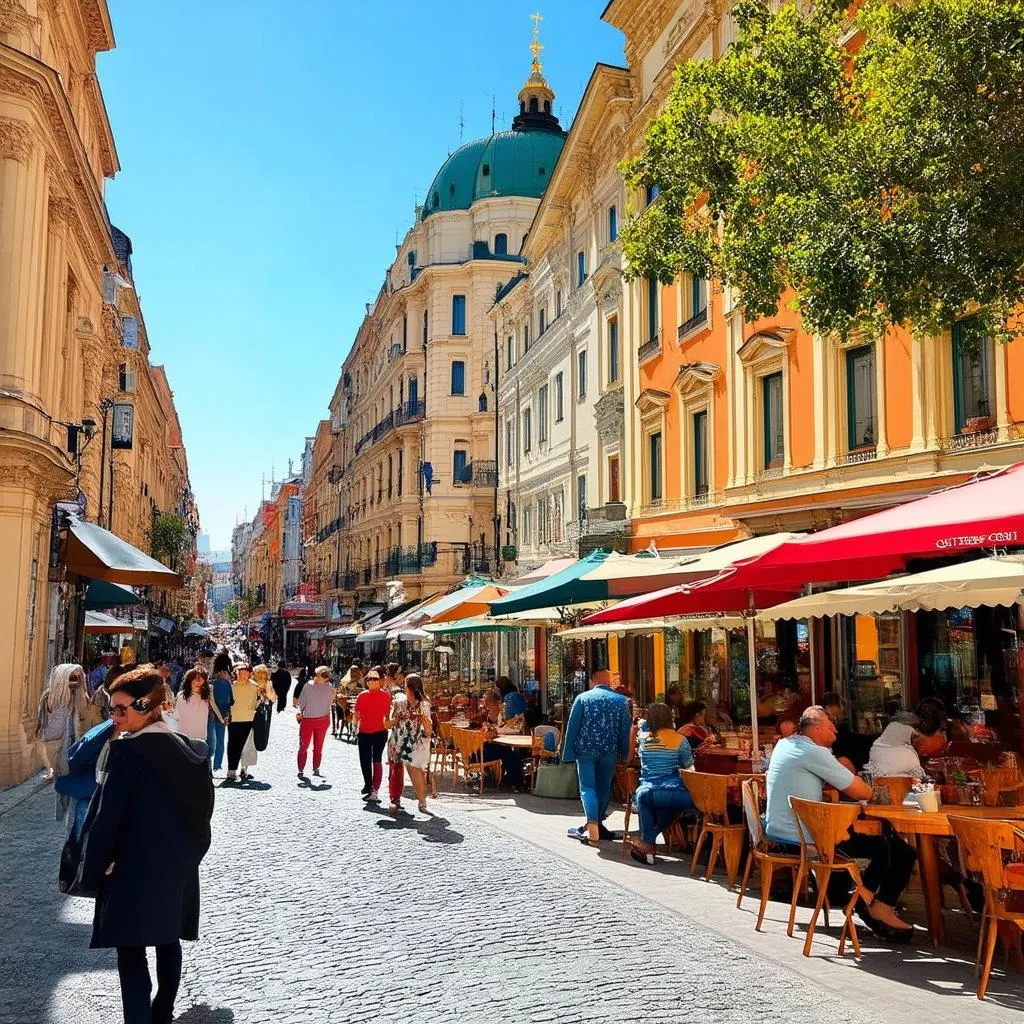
{"points": [[973, 380], [458, 314], [654, 466], [700, 454], [871, 662], [458, 377], [542, 414], [772, 427], [613, 478], [613, 350], [861, 424], [501, 245]]}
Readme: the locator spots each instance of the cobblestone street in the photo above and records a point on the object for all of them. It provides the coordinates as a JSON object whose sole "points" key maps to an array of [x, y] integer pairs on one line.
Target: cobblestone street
{"points": [[318, 909]]}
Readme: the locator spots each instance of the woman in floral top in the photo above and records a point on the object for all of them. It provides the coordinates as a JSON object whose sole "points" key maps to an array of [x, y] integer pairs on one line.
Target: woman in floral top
{"points": [[409, 743]]}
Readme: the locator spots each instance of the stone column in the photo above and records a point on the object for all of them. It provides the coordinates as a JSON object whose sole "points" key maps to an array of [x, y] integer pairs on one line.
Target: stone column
{"points": [[55, 319], [22, 243]]}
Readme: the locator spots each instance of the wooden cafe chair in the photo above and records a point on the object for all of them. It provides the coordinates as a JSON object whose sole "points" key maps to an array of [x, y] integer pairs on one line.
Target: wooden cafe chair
{"points": [[822, 826], [710, 795], [469, 752], [764, 856], [444, 753], [899, 786], [986, 848]]}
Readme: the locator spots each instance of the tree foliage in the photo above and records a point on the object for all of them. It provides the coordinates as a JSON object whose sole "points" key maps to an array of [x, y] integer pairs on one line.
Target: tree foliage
{"points": [[169, 538], [231, 612], [883, 183]]}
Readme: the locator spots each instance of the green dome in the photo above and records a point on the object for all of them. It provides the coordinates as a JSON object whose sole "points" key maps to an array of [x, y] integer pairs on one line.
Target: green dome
{"points": [[512, 163]]}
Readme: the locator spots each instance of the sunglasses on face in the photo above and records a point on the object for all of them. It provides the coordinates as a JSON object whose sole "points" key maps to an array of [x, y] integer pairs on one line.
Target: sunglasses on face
{"points": [[141, 706], [373, 679]]}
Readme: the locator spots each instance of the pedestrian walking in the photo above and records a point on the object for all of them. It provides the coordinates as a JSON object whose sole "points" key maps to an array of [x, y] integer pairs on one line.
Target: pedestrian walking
{"points": [[409, 744], [246, 696], [194, 707], [223, 697], [150, 821], [373, 708], [314, 717], [99, 673], [299, 684], [61, 717], [281, 679], [596, 738]]}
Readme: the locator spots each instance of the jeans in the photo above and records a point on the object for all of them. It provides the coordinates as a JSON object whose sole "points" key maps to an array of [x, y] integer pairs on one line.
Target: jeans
{"points": [[371, 752], [136, 985], [215, 741], [658, 808], [238, 733], [596, 775], [314, 729]]}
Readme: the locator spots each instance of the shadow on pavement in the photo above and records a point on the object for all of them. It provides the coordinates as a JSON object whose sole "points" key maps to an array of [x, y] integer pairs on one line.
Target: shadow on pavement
{"points": [[246, 787], [432, 829], [308, 784], [202, 1013]]}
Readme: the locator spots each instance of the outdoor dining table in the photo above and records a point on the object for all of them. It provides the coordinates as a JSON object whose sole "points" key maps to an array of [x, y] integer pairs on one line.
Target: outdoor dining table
{"points": [[928, 827], [519, 742]]}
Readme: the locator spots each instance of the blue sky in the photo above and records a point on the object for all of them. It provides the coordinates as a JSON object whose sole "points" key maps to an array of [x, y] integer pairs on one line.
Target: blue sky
{"points": [[271, 157]]}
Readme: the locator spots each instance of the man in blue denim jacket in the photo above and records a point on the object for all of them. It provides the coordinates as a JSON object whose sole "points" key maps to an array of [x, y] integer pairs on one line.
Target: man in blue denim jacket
{"points": [[596, 738]]}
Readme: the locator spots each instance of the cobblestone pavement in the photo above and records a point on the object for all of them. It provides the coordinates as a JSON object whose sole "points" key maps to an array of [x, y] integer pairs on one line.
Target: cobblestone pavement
{"points": [[318, 909]]}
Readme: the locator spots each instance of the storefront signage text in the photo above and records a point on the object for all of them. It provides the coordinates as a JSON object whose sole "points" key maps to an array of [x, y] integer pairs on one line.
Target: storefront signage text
{"points": [[977, 540]]}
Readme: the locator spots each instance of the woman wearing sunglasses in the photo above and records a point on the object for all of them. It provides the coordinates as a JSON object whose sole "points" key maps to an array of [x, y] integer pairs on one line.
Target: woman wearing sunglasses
{"points": [[147, 830], [373, 706]]}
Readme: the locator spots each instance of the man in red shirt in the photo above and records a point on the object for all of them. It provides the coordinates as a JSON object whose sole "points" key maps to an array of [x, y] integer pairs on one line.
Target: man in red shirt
{"points": [[373, 708]]}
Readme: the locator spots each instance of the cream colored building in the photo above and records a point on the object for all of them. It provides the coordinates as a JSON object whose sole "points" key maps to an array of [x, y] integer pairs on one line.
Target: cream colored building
{"points": [[560, 407], [415, 413], [63, 303]]}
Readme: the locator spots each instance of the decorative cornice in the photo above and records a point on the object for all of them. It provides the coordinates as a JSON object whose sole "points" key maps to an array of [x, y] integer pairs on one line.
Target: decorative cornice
{"points": [[15, 139], [699, 376], [61, 212], [764, 344]]}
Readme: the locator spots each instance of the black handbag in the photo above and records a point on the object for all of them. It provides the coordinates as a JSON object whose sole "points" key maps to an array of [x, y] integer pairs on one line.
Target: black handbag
{"points": [[70, 863], [261, 725]]}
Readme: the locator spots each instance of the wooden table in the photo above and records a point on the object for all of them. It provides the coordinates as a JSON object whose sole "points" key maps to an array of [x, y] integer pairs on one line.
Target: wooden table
{"points": [[928, 827], [519, 742]]}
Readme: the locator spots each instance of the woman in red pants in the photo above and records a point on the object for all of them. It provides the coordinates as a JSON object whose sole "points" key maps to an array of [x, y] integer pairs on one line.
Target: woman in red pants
{"points": [[314, 716]]}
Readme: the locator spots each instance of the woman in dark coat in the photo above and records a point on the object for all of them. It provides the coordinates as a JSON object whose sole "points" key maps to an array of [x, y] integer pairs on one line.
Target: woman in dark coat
{"points": [[147, 830]]}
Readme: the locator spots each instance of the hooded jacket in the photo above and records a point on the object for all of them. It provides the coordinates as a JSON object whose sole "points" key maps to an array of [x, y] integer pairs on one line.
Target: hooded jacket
{"points": [[892, 754]]}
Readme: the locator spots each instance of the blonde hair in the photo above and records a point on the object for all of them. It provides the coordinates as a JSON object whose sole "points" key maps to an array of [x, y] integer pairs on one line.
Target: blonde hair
{"points": [[322, 670], [261, 672], [58, 688]]}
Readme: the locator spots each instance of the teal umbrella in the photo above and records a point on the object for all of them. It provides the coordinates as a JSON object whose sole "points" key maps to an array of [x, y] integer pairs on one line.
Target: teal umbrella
{"points": [[101, 594]]}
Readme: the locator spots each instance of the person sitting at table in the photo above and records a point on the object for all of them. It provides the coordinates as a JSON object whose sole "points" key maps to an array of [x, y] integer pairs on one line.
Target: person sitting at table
{"points": [[800, 767], [694, 726], [850, 749], [661, 795], [511, 759], [930, 739], [893, 752], [514, 703], [676, 701]]}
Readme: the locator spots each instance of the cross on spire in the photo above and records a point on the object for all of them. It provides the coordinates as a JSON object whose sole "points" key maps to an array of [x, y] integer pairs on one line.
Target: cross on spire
{"points": [[536, 46]]}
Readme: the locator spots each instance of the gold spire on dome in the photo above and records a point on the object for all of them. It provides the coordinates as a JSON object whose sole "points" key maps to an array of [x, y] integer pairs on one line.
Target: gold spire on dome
{"points": [[536, 46]]}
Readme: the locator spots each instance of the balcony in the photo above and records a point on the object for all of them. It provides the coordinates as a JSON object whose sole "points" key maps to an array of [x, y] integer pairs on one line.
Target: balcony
{"points": [[410, 412], [699, 319], [481, 473], [650, 349], [409, 561]]}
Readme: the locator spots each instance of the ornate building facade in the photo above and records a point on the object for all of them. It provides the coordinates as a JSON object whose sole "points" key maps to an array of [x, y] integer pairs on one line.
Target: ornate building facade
{"points": [[64, 301]]}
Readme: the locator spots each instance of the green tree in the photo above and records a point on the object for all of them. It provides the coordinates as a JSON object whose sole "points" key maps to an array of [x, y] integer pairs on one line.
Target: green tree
{"points": [[882, 183], [231, 612], [169, 538]]}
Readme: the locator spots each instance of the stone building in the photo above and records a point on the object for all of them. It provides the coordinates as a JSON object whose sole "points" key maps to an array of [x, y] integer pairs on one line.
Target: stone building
{"points": [[416, 460], [560, 397], [64, 304]]}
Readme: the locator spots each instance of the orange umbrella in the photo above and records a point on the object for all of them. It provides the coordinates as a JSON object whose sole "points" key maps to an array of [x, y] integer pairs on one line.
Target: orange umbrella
{"points": [[478, 602]]}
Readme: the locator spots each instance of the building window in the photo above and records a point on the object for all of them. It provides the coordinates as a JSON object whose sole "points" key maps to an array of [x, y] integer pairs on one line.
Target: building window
{"points": [[613, 224], [458, 377], [652, 308], [401, 469], [558, 397], [613, 478], [414, 394], [510, 352], [426, 321], [508, 443], [581, 373], [613, 350], [526, 338], [581, 268], [405, 331], [861, 428], [654, 465], [698, 295], [973, 380], [501, 245], [653, 191], [526, 525], [558, 303], [774, 432], [541, 321], [700, 453], [542, 414], [581, 497], [458, 314], [526, 431], [459, 463]]}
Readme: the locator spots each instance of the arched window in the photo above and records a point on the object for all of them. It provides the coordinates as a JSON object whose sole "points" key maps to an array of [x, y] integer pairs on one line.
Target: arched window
{"points": [[547, 106], [501, 245], [482, 402], [534, 106]]}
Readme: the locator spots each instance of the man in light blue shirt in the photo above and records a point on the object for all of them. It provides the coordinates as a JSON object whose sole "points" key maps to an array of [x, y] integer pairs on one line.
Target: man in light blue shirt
{"points": [[596, 738], [800, 767]]}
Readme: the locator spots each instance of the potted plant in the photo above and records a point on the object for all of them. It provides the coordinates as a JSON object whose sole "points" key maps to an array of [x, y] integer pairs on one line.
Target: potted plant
{"points": [[509, 553], [962, 783]]}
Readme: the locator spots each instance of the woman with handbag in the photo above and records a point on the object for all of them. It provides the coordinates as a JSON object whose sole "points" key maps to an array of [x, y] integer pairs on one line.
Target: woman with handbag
{"points": [[194, 706], [409, 745], [61, 717], [245, 696], [147, 830]]}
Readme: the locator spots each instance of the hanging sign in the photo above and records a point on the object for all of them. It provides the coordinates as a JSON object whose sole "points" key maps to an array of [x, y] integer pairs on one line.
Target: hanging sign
{"points": [[123, 428]]}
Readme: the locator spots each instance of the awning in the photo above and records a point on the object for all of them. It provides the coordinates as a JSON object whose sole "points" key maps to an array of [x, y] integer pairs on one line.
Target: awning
{"points": [[684, 623], [411, 635], [986, 512], [97, 622], [598, 577], [197, 630], [101, 594], [372, 637], [368, 611], [341, 632], [542, 572], [547, 616], [465, 602], [89, 550], [471, 624], [981, 582]]}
